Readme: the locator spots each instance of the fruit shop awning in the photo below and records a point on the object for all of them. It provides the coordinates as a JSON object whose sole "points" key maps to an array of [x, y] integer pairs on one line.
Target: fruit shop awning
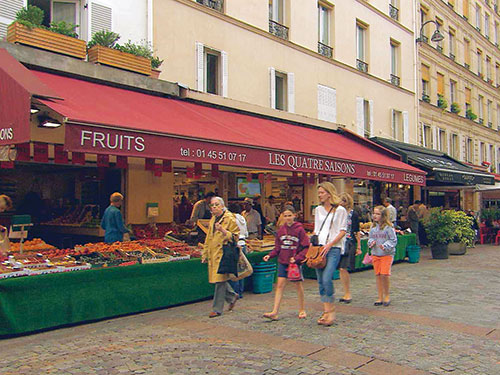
{"points": [[102, 119], [442, 168]]}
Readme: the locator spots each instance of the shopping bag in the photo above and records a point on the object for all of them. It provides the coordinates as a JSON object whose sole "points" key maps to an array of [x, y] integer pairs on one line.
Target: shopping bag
{"points": [[368, 259], [245, 268], [229, 260], [293, 272]]}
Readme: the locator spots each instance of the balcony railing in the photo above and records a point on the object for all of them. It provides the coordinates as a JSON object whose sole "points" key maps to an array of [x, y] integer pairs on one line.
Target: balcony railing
{"points": [[325, 50], [278, 29], [362, 66], [452, 56], [439, 48], [395, 80], [394, 12], [481, 121], [490, 125], [213, 4], [467, 66]]}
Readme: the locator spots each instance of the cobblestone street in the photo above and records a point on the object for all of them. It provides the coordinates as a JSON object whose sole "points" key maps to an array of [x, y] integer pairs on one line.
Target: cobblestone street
{"points": [[444, 319]]}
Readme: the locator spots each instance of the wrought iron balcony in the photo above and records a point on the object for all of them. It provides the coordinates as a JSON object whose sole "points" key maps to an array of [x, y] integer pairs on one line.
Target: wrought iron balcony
{"points": [[480, 120], [452, 56], [490, 124], [278, 29], [213, 4], [394, 12], [325, 50], [439, 48], [362, 66], [395, 80], [467, 66]]}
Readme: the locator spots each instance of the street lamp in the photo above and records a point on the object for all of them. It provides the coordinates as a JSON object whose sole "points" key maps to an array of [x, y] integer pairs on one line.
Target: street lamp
{"points": [[436, 36]]}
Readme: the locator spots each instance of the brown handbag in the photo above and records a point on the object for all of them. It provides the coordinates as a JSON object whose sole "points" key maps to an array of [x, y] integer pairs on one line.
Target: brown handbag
{"points": [[314, 259]]}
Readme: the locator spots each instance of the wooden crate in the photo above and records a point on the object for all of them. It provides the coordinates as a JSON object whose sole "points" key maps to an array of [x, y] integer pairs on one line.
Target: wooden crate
{"points": [[118, 59], [47, 40]]}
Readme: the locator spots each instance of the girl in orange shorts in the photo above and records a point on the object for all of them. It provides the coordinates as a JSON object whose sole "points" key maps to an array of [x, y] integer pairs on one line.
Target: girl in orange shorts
{"points": [[382, 241]]}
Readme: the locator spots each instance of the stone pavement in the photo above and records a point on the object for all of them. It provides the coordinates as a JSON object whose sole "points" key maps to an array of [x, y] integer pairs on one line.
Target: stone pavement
{"points": [[444, 319]]}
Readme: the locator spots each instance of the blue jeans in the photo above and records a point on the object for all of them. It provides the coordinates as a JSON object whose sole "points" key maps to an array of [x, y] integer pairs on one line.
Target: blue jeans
{"points": [[325, 275], [239, 286]]}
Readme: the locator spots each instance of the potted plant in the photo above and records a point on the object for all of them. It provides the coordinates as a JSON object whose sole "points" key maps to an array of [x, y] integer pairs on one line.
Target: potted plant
{"points": [[464, 233], [440, 232], [155, 64], [442, 103], [61, 37], [470, 115], [103, 49], [426, 98], [455, 108]]}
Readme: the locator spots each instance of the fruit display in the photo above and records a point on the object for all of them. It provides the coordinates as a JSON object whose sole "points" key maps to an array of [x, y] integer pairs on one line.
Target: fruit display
{"points": [[35, 244], [38, 264], [86, 216]]}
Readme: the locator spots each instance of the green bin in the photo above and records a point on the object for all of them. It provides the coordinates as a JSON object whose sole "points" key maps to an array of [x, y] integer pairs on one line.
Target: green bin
{"points": [[413, 252]]}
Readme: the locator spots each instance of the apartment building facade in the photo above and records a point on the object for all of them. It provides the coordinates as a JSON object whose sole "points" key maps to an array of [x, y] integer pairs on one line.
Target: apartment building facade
{"points": [[459, 79], [329, 63]]}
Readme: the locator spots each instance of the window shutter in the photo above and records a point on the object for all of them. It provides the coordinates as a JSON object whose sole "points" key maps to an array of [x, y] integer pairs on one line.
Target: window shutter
{"points": [[360, 116], [467, 95], [448, 148], [291, 92], [370, 106], [327, 104], [435, 138], [272, 81], [8, 10], [440, 84], [393, 125], [425, 73], [406, 128], [224, 73], [488, 153], [100, 18], [461, 147], [199, 66]]}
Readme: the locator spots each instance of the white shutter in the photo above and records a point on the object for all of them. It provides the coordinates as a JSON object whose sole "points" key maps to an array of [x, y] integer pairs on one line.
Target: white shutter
{"points": [[422, 132], [327, 104], [101, 18], [435, 138], [360, 116], [488, 152], [370, 106], [200, 57], [393, 125], [448, 148], [8, 10], [224, 73], [461, 147], [406, 128], [272, 81], [290, 83]]}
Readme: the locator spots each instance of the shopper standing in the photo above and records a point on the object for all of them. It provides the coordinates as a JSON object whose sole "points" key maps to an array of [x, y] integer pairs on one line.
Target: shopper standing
{"points": [[382, 241], [290, 247], [413, 219], [201, 211], [253, 218], [222, 229], [352, 246], [330, 224], [271, 213], [235, 208], [112, 220], [393, 214]]}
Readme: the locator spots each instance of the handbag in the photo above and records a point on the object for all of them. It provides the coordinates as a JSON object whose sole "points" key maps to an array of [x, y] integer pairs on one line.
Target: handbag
{"points": [[314, 259], [229, 260], [245, 268], [293, 272], [368, 259]]}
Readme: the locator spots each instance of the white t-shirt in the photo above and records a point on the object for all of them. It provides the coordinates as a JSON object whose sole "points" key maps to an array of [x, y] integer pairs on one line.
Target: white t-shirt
{"points": [[242, 224], [330, 230], [253, 220]]}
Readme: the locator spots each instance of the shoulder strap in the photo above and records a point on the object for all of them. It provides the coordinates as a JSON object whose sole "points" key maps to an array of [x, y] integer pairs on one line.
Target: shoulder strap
{"points": [[324, 221], [330, 229]]}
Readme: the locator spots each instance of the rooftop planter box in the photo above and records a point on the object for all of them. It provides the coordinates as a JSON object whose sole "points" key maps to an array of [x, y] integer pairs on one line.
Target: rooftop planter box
{"points": [[47, 40], [118, 59]]}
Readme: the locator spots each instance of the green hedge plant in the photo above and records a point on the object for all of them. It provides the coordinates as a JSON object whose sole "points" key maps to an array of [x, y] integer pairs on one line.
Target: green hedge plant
{"points": [[462, 225], [64, 28], [104, 38], [439, 226], [31, 17]]}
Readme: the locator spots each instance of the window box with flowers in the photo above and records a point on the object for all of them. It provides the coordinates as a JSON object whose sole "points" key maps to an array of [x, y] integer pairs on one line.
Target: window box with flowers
{"points": [[426, 98], [442, 102], [470, 115], [455, 108]]}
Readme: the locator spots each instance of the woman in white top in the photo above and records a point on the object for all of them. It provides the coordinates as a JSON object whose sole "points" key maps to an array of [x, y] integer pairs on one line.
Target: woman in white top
{"points": [[330, 222]]}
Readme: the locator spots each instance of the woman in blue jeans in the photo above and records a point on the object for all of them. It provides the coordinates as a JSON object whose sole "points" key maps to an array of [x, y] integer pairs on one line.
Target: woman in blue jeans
{"points": [[330, 224]]}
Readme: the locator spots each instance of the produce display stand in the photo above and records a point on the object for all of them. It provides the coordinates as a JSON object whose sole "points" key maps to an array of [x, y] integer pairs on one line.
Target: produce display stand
{"points": [[29, 304]]}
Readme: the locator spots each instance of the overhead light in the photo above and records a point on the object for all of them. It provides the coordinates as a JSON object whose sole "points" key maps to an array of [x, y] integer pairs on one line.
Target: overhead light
{"points": [[47, 122], [34, 110], [437, 36]]}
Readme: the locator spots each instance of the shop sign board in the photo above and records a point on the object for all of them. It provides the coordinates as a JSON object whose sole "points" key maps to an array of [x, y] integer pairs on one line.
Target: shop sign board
{"points": [[463, 178], [98, 140]]}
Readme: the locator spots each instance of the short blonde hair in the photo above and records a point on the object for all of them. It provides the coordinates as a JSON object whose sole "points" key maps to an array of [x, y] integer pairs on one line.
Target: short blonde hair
{"points": [[332, 191], [384, 217], [349, 202], [116, 197]]}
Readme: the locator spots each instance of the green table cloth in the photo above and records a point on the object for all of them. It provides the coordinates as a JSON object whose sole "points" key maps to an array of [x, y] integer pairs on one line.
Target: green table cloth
{"points": [[33, 303]]}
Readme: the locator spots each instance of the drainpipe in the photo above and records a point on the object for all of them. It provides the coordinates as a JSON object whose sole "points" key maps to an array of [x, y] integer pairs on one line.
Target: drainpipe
{"points": [[149, 21]]}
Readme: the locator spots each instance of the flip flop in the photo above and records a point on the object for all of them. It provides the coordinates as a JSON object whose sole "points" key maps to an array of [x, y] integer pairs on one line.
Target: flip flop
{"points": [[378, 303], [343, 300], [270, 316], [302, 315]]}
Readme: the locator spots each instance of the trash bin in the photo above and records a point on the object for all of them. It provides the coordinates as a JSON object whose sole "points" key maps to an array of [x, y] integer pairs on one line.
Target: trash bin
{"points": [[263, 277], [413, 252]]}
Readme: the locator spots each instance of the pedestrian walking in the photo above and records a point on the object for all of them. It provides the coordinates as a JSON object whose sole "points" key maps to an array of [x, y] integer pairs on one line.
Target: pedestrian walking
{"points": [[414, 220], [382, 242], [112, 220], [290, 247], [330, 224], [222, 229], [352, 246], [235, 208]]}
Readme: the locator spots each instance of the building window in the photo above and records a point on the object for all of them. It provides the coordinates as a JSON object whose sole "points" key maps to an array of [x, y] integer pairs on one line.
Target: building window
{"points": [[395, 63], [497, 74], [212, 71], [489, 104], [440, 85], [361, 47], [482, 152], [480, 103], [479, 62], [451, 43], [324, 42], [425, 83], [366, 118], [214, 4], [394, 9], [423, 19], [467, 99], [498, 118], [478, 17], [487, 25], [495, 31], [397, 126], [441, 140], [454, 151], [277, 19], [281, 91], [467, 53], [469, 149], [426, 136], [439, 45], [491, 155], [488, 69], [453, 91]]}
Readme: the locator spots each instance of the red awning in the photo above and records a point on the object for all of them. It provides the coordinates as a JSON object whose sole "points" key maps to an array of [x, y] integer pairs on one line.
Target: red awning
{"points": [[108, 120]]}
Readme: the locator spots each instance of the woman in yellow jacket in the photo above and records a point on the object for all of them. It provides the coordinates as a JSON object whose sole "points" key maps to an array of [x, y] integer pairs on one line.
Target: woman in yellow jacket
{"points": [[222, 228]]}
